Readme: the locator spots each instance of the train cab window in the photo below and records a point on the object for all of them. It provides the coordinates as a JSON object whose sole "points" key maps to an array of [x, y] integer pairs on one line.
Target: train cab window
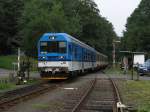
{"points": [[43, 46], [62, 47], [53, 47], [56, 47]]}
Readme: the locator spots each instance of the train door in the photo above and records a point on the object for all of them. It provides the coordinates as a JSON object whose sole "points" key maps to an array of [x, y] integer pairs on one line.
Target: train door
{"points": [[92, 60], [70, 56], [82, 60], [74, 56]]}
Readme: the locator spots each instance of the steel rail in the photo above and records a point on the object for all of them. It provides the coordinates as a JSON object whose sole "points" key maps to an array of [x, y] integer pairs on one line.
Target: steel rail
{"points": [[77, 106], [117, 93], [12, 100]]}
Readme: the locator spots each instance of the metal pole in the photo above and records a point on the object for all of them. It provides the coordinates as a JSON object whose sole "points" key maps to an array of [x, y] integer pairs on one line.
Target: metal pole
{"points": [[114, 54], [132, 64], [18, 59], [28, 68]]}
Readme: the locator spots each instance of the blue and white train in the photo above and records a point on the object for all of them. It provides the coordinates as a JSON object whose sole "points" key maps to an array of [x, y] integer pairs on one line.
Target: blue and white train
{"points": [[61, 56]]}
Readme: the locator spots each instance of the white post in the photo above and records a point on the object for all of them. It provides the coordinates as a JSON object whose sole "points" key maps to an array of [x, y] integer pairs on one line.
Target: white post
{"points": [[18, 59], [114, 54]]}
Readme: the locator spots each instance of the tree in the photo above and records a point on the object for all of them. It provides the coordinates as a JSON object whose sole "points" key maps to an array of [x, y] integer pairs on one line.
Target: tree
{"points": [[137, 35], [40, 16], [79, 18], [10, 12]]}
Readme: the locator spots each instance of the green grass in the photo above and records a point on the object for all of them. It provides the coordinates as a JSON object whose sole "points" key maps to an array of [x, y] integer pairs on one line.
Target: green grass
{"points": [[116, 71], [40, 106], [144, 108], [135, 93], [6, 86], [32, 81], [138, 93], [6, 61]]}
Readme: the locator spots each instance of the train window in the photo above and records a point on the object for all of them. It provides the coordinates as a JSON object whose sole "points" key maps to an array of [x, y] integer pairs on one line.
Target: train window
{"points": [[43, 46], [62, 44], [70, 49], [84, 53], [43, 43], [53, 47], [62, 47], [75, 52], [56, 47], [86, 56]]}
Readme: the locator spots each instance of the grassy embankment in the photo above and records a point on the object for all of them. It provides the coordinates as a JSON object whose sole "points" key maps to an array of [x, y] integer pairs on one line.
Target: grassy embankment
{"points": [[136, 93]]}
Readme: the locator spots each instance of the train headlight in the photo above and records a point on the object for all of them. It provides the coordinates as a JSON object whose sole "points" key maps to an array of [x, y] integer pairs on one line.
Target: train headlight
{"points": [[61, 57], [43, 57]]}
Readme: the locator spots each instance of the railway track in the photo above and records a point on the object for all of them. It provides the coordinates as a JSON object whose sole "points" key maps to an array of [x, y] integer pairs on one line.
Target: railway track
{"points": [[93, 95], [14, 97], [99, 95]]}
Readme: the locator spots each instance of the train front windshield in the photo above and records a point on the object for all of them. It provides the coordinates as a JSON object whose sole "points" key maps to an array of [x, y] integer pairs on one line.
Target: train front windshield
{"points": [[53, 47]]}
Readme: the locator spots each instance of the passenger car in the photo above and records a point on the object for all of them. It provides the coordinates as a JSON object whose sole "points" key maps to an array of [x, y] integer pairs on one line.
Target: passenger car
{"points": [[61, 56], [145, 68]]}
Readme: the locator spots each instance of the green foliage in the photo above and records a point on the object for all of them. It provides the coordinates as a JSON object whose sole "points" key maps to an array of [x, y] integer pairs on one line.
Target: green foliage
{"points": [[27, 20], [40, 16], [10, 11], [78, 18], [137, 35]]}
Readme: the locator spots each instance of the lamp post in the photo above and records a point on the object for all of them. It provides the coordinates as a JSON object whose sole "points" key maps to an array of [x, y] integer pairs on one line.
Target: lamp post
{"points": [[114, 51], [18, 59]]}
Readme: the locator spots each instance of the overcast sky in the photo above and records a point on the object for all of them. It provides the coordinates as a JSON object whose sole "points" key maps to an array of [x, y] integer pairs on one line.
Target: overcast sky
{"points": [[117, 11]]}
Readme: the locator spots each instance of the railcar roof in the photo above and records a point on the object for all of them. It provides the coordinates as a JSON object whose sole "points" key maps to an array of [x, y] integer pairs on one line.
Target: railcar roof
{"points": [[70, 39], [102, 54], [81, 43]]}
